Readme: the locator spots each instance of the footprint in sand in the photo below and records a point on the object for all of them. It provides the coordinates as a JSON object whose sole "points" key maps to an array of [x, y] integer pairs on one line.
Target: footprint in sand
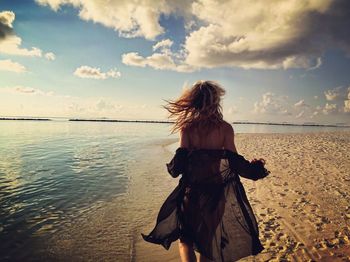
{"points": [[321, 221], [251, 190], [281, 204]]}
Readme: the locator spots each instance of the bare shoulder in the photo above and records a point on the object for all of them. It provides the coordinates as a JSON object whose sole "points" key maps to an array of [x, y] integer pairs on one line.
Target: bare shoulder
{"points": [[227, 127]]}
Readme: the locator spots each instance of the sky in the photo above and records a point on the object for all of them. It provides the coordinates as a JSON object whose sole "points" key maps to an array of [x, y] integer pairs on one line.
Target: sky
{"points": [[278, 60]]}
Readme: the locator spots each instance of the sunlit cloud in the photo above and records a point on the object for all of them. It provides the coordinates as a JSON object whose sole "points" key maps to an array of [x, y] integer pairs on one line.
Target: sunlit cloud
{"points": [[267, 34], [272, 104], [201, 37], [347, 102], [164, 59], [24, 90], [330, 109], [10, 44], [335, 93], [6, 20], [164, 44], [11, 66], [260, 35], [95, 73], [130, 18], [159, 61], [301, 103], [50, 56]]}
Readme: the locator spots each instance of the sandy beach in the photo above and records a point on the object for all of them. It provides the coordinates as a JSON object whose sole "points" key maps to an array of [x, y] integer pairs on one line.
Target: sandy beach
{"points": [[303, 207]]}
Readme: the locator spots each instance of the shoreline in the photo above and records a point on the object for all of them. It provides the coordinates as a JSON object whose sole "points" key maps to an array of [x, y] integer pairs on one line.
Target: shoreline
{"points": [[105, 120], [302, 207]]}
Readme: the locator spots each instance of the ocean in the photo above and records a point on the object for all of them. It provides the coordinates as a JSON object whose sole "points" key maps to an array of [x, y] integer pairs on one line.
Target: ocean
{"points": [[59, 177]]}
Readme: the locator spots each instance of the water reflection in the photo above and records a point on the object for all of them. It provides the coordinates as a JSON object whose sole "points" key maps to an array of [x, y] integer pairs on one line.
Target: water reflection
{"points": [[52, 173]]}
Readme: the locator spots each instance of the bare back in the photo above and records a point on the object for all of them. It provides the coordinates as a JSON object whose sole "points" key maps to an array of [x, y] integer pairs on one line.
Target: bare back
{"points": [[217, 138]]}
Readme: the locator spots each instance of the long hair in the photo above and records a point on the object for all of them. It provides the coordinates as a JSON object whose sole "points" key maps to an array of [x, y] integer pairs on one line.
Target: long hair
{"points": [[198, 106]]}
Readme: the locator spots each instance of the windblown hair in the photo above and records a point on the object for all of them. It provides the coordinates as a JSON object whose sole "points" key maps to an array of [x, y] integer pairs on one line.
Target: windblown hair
{"points": [[198, 106]]}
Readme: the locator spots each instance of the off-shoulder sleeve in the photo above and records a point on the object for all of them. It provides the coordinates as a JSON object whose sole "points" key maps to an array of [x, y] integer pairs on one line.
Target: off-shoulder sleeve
{"points": [[250, 170], [178, 163]]}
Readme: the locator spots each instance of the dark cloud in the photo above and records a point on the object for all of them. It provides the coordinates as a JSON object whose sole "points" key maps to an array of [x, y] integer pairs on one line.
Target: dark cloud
{"points": [[327, 29], [298, 37], [6, 19]]}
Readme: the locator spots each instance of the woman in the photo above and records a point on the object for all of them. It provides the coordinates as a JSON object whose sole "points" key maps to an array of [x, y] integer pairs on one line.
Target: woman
{"points": [[208, 211]]}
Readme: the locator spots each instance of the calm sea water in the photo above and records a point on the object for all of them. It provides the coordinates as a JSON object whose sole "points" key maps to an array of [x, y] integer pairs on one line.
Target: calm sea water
{"points": [[54, 172]]}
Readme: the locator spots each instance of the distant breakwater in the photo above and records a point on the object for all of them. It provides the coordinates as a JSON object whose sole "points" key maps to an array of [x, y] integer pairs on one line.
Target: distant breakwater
{"points": [[25, 118], [171, 122], [123, 121]]}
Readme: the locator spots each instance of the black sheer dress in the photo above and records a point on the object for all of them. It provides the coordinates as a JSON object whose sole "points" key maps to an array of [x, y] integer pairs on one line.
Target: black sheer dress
{"points": [[209, 207]]}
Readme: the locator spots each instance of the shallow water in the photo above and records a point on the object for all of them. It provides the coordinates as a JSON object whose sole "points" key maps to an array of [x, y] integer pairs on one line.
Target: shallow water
{"points": [[55, 173]]}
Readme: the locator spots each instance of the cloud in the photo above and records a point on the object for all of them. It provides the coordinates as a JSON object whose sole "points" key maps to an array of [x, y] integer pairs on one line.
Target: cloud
{"points": [[318, 64], [232, 110], [268, 34], [10, 44], [95, 73], [164, 59], [164, 44], [314, 114], [260, 35], [160, 61], [38, 102], [50, 56], [330, 109], [300, 115], [338, 102], [107, 107], [133, 59], [347, 106], [156, 60], [272, 104], [131, 18], [104, 105], [24, 90], [6, 20], [9, 65], [347, 102], [301, 103], [333, 94]]}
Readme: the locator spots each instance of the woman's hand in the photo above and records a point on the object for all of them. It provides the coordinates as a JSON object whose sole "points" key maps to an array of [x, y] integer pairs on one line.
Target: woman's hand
{"points": [[258, 160]]}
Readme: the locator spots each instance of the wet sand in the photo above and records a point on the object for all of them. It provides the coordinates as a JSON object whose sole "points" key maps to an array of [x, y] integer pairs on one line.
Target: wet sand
{"points": [[303, 207]]}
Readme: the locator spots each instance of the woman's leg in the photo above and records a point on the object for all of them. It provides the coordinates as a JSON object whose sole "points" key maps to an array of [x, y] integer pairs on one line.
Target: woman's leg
{"points": [[186, 251]]}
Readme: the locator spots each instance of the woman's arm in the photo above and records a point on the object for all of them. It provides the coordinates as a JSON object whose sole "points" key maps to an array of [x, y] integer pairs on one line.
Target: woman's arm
{"points": [[178, 163], [229, 142]]}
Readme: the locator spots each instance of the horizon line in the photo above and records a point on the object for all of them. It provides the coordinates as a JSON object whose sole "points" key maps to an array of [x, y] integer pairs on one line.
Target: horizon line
{"points": [[104, 119]]}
